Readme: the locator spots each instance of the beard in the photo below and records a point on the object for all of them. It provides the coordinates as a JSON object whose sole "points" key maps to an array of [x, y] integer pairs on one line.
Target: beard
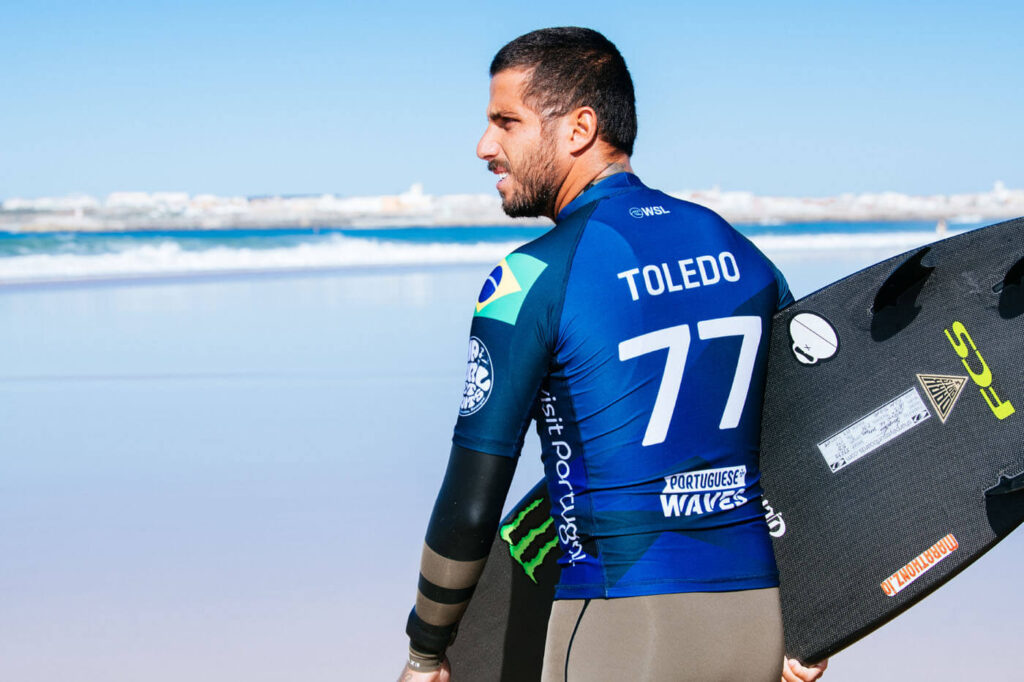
{"points": [[535, 186]]}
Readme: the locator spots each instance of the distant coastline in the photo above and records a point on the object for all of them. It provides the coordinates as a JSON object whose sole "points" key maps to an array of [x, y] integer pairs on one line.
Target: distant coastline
{"points": [[124, 211]]}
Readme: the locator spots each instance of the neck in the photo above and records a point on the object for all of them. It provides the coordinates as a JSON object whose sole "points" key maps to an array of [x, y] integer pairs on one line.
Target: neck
{"points": [[580, 180]]}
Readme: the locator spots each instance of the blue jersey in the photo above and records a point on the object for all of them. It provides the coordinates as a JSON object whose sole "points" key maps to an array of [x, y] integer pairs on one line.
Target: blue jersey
{"points": [[635, 333]]}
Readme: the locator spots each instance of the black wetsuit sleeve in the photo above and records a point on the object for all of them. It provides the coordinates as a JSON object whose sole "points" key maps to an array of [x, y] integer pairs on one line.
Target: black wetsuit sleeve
{"points": [[512, 337], [459, 535], [467, 508]]}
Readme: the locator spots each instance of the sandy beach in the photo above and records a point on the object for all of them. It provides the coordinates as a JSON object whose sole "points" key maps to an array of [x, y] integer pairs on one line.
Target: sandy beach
{"points": [[229, 480]]}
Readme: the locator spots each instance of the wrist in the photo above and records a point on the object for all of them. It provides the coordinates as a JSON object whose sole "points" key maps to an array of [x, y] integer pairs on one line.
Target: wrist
{"points": [[427, 639], [422, 662]]}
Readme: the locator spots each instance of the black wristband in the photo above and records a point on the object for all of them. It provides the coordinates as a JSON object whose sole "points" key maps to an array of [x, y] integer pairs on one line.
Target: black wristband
{"points": [[430, 639]]}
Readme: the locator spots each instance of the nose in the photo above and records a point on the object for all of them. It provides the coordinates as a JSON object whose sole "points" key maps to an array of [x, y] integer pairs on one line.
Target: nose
{"points": [[487, 147]]}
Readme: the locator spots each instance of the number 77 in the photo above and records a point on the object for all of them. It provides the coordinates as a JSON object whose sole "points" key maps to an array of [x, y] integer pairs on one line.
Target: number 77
{"points": [[677, 340]]}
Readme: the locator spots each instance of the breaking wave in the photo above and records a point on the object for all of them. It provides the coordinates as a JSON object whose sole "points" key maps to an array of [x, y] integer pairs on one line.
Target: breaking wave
{"points": [[167, 257], [894, 242]]}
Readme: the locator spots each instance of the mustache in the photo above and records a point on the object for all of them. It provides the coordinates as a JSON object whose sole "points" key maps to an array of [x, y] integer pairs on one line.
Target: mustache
{"points": [[493, 165]]}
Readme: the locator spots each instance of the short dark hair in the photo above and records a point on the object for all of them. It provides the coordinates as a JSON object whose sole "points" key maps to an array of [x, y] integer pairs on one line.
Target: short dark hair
{"points": [[575, 67]]}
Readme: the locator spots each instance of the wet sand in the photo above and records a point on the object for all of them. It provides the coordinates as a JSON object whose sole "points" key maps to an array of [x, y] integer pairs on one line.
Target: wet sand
{"points": [[229, 479]]}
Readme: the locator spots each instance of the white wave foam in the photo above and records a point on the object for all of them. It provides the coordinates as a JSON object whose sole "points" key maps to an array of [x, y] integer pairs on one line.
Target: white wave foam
{"points": [[168, 259], [846, 241]]}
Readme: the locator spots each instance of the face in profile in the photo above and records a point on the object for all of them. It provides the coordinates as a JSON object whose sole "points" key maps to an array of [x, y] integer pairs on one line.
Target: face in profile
{"points": [[520, 147]]}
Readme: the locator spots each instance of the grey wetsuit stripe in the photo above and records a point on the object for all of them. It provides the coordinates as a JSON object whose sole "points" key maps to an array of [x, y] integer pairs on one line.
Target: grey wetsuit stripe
{"points": [[568, 651], [449, 573]]}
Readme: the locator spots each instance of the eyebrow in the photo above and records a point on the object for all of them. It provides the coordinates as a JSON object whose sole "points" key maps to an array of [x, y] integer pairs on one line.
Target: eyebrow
{"points": [[500, 114]]}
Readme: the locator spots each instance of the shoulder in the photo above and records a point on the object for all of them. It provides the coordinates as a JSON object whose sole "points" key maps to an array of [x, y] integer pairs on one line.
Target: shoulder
{"points": [[645, 203], [507, 286]]}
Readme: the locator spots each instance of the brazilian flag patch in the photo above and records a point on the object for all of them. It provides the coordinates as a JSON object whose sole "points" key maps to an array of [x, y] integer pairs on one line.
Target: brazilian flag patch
{"points": [[506, 287]]}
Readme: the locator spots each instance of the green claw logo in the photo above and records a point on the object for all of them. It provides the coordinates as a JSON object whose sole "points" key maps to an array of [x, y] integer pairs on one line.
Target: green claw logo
{"points": [[518, 549]]}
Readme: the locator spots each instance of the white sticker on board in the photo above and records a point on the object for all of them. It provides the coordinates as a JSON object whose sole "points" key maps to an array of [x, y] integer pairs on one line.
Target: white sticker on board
{"points": [[874, 430], [813, 338], [776, 524]]}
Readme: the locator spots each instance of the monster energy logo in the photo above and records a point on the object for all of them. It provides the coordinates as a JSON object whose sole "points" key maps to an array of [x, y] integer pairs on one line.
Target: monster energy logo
{"points": [[522, 540]]}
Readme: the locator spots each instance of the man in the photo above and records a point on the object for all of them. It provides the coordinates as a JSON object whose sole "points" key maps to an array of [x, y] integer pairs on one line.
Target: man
{"points": [[635, 334]]}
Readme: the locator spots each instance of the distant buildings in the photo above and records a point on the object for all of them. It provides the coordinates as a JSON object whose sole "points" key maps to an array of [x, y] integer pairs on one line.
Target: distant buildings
{"points": [[178, 210], [744, 207]]}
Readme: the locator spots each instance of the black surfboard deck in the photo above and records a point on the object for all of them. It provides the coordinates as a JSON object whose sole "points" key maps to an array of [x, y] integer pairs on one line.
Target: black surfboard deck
{"points": [[892, 455]]}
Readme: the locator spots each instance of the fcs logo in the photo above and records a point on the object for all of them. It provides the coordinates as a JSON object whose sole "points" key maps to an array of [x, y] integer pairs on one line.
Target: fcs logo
{"points": [[983, 379], [648, 211]]}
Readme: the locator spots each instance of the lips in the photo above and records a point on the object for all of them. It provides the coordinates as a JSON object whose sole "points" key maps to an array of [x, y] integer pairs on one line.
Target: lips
{"points": [[500, 170]]}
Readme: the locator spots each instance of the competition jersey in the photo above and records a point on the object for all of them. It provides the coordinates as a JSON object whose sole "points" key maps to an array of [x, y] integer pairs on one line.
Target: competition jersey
{"points": [[635, 334]]}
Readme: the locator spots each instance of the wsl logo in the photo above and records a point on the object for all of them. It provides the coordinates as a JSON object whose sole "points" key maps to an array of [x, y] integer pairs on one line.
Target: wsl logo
{"points": [[479, 378], [506, 287], [648, 211]]}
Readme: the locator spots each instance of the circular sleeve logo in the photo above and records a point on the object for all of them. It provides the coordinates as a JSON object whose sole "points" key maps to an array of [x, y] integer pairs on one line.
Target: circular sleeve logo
{"points": [[479, 378]]}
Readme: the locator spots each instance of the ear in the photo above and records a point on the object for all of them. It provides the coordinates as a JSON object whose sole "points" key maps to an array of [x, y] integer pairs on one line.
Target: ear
{"points": [[582, 128]]}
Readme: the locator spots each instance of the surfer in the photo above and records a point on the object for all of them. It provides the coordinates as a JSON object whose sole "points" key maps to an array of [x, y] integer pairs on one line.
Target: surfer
{"points": [[667, 567]]}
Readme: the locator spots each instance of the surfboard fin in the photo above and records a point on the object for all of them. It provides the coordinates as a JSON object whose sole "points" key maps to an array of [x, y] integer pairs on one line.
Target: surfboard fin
{"points": [[1011, 291], [1004, 504], [895, 305]]}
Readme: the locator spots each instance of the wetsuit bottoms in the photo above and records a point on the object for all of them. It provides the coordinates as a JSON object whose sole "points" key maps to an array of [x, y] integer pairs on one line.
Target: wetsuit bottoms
{"points": [[699, 636]]}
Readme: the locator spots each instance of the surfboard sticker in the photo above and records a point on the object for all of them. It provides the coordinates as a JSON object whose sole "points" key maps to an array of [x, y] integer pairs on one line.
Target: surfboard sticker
{"points": [[943, 391], [776, 524], [814, 338], [874, 430], [919, 565]]}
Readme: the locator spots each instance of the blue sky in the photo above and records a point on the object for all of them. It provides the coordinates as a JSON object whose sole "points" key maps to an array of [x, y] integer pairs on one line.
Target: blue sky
{"points": [[798, 98]]}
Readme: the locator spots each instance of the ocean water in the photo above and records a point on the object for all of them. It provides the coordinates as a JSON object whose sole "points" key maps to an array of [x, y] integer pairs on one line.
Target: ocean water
{"points": [[33, 258], [225, 473]]}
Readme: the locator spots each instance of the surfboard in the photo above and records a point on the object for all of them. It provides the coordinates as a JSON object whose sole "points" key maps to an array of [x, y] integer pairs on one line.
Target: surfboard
{"points": [[892, 455]]}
